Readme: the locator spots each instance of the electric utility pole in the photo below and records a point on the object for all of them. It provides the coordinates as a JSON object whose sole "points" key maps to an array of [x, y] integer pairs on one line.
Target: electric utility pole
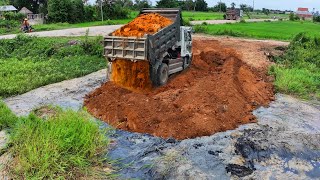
{"points": [[101, 10], [253, 6]]}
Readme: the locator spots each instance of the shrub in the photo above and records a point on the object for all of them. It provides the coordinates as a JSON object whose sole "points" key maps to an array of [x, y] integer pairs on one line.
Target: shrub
{"points": [[14, 16], [204, 23], [227, 32], [200, 28], [316, 18], [298, 70], [186, 22], [242, 21]]}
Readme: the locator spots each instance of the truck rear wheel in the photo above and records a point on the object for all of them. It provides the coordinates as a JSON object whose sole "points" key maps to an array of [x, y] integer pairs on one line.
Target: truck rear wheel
{"points": [[163, 74]]}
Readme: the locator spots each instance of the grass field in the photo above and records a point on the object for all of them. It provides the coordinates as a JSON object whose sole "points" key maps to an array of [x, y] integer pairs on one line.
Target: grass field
{"points": [[280, 30], [264, 16], [29, 62], [195, 16]]}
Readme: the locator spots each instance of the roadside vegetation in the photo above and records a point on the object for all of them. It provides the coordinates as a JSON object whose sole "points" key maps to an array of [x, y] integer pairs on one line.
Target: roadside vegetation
{"points": [[30, 62], [280, 30], [298, 71], [64, 145]]}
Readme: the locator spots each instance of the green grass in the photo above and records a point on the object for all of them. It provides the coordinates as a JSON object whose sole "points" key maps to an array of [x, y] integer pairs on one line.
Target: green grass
{"points": [[7, 118], [57, 26], [194, 16], [264, 16], [281, 30], [27, 63], [66, 145], [298, 71]]}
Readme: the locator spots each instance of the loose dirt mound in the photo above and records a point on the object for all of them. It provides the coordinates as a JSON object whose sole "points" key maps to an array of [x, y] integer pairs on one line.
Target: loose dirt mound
{"points": [[217, 93], [144, 24]]}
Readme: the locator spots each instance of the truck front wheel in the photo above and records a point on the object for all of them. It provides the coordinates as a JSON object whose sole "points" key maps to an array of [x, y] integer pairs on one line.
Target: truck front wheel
{"points": [[163, 74]]}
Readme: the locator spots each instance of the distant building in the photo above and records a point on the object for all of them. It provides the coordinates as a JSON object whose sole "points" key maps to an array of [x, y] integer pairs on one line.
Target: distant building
{"points": [[8, 8], [25, 11], [304, 13]]}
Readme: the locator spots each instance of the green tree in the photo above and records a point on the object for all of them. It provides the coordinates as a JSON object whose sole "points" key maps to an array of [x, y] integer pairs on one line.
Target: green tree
{"points": [[76, 13], [167, 4], [266, 11], [201, 5], [220, 7], [139, 4], [233, 5], [4, 2], [112, 9], [58, 10], [188, 5], [246, 9], [32, 5]]}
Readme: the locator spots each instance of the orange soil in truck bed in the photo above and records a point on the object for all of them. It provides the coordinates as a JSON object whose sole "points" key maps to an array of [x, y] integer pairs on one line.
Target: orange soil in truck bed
{"points": [[217, 93], [144, 24]]}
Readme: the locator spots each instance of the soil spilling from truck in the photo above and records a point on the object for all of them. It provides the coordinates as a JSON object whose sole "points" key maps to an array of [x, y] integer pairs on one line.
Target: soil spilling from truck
{"points": [[217, 93], [135, 76]]}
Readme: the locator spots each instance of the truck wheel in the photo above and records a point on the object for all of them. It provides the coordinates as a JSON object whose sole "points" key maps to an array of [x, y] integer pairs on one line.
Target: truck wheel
{"points": [[163, 74], [186, 62]]}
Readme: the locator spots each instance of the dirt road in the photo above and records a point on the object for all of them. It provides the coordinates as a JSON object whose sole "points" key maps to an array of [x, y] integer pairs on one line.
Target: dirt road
{"points": [[93, 31]]}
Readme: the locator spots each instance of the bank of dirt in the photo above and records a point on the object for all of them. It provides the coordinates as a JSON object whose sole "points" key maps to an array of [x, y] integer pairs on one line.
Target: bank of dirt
{"points": [[217, 93]]}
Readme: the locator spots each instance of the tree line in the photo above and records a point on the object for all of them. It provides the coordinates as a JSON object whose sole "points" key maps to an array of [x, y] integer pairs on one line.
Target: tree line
{"points": [[75, 11]]}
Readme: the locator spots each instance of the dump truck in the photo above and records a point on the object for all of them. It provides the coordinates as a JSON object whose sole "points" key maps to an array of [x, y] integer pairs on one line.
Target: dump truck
{"points": [[168, 51]]}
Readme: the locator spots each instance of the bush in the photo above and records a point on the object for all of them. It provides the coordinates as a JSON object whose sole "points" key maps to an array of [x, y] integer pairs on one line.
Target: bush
{"points": [[316, 18], [67, 145], [186, 22], [227, 32], [200, 28], [204, 23], [14, 16], [298, 70]]}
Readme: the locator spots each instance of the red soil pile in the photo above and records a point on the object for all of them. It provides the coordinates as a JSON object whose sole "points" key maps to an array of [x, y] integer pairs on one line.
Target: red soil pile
{"points": [[143, 24], [217, 93], [134, 76]]}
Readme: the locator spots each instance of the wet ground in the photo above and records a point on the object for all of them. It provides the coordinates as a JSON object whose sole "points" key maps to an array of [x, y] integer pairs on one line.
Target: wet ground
{"points": [[283, 144]]}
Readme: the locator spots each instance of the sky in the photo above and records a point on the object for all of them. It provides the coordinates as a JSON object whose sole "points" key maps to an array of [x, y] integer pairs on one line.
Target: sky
{"points": [[269, 4]]}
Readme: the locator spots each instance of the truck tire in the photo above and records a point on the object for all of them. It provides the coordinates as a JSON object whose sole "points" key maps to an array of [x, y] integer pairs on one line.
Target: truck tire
{"points": [[163, 74], [186, 62]]}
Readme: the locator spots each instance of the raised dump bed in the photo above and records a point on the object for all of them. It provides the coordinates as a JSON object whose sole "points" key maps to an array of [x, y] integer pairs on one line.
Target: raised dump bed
{"points": [[167, 46]]}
